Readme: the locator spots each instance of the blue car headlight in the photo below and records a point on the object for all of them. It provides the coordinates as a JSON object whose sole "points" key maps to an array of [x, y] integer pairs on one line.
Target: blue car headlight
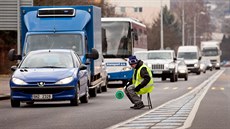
{"points": [[18, 81], [65, 80]]}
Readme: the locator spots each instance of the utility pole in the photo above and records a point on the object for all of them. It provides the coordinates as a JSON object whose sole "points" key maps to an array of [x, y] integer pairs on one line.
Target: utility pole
{"points": [[162, 41], [194, 34], [196, 17], [183, 24], [18, 28]]}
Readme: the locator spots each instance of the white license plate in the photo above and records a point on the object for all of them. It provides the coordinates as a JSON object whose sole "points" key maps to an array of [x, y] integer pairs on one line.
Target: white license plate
{"points": [[157, 72], [42, 96]]}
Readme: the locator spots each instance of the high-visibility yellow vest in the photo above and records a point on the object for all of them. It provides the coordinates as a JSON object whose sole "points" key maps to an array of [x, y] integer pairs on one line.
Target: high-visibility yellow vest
{"points": [[136, 81]]}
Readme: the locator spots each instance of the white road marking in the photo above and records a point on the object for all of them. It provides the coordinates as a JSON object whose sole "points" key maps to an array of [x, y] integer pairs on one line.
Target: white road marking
{"points": [[192, 114]]}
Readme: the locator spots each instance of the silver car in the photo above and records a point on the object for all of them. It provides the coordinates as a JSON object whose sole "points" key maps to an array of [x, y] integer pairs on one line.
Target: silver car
{"points": [[182, 69]]}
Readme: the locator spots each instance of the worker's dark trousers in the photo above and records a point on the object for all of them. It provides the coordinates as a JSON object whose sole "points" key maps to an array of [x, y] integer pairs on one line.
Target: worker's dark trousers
{"points": [[132, 95]]}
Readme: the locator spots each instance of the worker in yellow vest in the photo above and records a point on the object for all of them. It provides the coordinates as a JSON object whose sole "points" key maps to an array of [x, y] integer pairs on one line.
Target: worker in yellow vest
{"points": [[141, 82]]}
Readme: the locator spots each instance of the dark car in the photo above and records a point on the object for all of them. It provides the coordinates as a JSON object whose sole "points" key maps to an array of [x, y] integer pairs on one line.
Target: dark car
{"points": [[49, 75]]}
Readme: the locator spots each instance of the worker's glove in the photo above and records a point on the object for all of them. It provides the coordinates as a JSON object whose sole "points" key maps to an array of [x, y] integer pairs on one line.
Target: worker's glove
{"points": [[127, 84], [137, 89]]}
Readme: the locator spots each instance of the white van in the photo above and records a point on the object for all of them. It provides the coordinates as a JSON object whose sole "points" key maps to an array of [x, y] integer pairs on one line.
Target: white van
{"points": [[192, 57]]}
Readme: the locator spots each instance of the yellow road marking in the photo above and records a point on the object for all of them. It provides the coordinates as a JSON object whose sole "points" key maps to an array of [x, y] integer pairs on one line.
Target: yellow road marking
{"points": [[166, 88], [189, 88], [217, 88], [213, 88], [174, 88]]}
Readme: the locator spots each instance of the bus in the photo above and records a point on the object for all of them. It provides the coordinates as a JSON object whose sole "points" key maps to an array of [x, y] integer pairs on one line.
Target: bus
{"points": [[121, 37]]}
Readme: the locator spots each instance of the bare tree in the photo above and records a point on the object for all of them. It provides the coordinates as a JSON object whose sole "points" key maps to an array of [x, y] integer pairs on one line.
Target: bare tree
{"points": [[172, 32], [197, 10]]}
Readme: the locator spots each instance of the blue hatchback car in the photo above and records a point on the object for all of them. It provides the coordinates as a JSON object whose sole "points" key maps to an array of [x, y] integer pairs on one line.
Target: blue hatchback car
{"points": [[49, 75]]}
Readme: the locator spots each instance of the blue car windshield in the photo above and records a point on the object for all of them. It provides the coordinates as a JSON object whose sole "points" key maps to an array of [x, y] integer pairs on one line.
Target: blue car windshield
{"points": [[48, 60], [54, 41]]}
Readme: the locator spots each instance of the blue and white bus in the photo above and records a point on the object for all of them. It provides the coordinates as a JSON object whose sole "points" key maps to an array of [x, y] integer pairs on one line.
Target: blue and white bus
{"points": [[121, 37]]}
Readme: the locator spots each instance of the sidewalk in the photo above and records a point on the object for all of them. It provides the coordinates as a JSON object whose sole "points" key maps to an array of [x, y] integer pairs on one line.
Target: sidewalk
{"points": [[4, 87]]}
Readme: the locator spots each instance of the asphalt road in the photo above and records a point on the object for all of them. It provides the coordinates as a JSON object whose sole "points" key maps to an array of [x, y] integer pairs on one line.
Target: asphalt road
{"points": [[101, 112], [214, 110]]}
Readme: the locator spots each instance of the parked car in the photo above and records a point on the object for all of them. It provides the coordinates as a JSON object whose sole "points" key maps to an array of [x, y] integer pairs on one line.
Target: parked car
{"points": [[182, 69], [49, 75]]}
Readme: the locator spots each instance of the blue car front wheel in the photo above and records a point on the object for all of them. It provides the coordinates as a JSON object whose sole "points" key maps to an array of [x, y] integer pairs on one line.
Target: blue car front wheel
{"points": [[15, 103], [75, 100]]}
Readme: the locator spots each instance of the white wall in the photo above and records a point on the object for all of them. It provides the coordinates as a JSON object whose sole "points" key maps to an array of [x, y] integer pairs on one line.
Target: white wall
{"points": [[150, 8]]}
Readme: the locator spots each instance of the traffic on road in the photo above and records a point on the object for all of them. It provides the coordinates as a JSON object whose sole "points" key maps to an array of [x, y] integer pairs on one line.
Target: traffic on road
{"points": [[174, 106], [120, 64]]}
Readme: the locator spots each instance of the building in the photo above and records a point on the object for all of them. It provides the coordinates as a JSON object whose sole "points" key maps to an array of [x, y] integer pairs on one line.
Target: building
{"points": [[143, 10]]}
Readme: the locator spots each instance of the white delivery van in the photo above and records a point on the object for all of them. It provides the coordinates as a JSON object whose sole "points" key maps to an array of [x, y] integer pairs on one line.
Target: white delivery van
{"points": [[192, 57]]}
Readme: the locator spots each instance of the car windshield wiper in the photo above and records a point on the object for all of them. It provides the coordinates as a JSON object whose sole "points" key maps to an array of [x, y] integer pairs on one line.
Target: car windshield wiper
{"points": [[155, 58], [24, 67], [51, 67], [110, 56]]}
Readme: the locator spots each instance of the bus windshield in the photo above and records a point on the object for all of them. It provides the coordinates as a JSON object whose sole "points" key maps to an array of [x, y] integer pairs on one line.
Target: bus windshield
{"points": [[54, 41], [116, 39]]}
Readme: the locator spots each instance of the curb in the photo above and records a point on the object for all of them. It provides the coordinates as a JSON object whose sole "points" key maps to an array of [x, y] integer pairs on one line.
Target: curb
{"points": [[5, 75], [3, 97]]}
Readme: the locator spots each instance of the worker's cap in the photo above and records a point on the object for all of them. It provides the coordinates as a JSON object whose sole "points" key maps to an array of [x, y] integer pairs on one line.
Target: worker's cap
{"points": [[133, 60]]}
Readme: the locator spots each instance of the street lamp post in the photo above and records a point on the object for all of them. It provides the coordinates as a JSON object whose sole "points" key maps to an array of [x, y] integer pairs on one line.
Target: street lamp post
{"points": [[162, 40], [183, 25], [195, 20], [194, 34]]}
